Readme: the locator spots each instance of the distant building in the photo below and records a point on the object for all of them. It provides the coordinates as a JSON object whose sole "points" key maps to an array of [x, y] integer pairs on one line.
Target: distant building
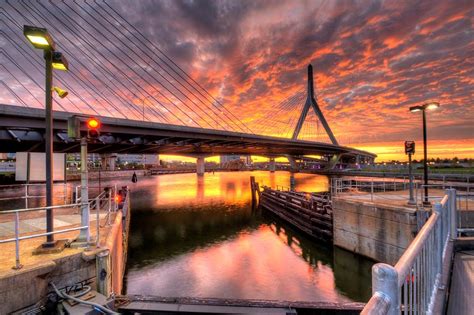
{"points": [[229, 158]]}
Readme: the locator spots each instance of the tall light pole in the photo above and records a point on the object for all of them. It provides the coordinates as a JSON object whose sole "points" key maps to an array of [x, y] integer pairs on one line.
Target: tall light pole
{"points": [[40, 39], [423, 108]]}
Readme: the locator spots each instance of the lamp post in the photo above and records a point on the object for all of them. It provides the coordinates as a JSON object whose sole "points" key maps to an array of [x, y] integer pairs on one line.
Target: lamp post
{"points": [[40, 39], [423, 108]]}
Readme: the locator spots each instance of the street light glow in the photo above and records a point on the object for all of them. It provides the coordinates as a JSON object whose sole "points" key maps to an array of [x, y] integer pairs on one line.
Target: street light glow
{"points": [[433, 105], [429, 106], [38, 40], [38, 37]]}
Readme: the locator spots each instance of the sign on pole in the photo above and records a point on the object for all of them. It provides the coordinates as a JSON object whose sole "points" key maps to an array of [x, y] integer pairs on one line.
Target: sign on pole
{"points": [[409, 147]]}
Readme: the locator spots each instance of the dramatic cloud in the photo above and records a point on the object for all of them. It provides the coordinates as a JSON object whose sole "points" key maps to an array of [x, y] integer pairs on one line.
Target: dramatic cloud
{"points": [[372, 60]]}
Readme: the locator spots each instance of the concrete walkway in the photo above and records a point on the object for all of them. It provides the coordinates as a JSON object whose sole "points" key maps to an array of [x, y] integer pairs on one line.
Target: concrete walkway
{"points": [[7, 229], [462, 284], [36, 225]]}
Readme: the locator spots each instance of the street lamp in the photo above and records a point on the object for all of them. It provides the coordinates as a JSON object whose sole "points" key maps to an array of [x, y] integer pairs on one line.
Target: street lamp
{"points": [[423, 108], [41, 39]]}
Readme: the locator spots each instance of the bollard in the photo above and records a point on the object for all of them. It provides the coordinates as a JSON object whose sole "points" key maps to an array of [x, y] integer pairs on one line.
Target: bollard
{"points": [[97, 210], [103, 267], [385, 282]]}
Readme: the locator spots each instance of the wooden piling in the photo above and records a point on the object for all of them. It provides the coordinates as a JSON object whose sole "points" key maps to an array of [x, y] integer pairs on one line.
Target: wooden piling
{"points": [[252, 188]]}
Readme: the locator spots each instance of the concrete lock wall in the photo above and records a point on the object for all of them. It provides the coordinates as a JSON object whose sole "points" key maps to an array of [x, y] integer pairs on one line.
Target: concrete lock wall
{"points": [[378, 232], [22, 288]]}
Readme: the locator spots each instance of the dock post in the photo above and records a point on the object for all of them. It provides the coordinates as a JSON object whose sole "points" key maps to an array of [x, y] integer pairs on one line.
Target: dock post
{"points": [[103, 273], [252, 188]]}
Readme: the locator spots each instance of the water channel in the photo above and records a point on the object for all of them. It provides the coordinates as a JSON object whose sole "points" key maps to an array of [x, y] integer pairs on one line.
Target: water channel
{"points": [[196, 236]]}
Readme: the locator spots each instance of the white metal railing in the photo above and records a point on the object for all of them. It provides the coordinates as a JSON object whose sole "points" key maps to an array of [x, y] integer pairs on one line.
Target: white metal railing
{"points": [[385, 188], [105, 200], [373, 187], [411, 286]]}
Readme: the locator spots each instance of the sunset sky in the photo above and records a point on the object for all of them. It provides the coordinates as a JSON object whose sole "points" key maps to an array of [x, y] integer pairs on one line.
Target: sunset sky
{"points": [[372, 60]]}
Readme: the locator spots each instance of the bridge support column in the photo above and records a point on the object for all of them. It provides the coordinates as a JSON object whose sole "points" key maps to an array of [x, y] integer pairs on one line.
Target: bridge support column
{"points": [[200, 169], [271, 165], [293, 165], [333, 162]]}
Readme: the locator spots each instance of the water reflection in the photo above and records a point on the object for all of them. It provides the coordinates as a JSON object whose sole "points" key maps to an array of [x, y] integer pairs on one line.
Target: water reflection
{"points": [[197, 236]]}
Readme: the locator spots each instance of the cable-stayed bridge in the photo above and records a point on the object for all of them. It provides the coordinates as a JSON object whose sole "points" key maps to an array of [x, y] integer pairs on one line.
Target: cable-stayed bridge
{"points": [[146, 101]]}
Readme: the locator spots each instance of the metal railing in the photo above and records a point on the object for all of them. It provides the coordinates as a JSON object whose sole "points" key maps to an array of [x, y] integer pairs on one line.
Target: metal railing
{"points": [[105, 200], [385, 189], [411, 286]]}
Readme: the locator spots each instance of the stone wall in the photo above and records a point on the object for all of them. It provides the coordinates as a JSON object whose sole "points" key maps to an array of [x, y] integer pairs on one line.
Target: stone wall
{"points": [[380, 232]]}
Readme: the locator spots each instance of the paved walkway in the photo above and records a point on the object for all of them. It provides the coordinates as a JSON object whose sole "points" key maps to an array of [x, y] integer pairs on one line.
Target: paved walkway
{"points": [[35, 225], [7, 229]]}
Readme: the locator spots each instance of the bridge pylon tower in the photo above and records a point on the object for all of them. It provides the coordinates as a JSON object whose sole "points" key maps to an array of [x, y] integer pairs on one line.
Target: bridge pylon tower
{"points": [[311, 102]]}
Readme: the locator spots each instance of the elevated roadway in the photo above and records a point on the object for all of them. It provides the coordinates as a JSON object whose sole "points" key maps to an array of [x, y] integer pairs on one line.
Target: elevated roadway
{"points": [[22, 130]]}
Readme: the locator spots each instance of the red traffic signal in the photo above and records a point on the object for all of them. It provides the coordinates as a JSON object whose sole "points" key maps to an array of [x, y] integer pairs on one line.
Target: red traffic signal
{"points": [[93, 125]]}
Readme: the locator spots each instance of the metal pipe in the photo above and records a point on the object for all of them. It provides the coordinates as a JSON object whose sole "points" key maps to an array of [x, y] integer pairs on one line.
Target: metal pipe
{"points": [[17, 242], [84, 236], [8, 240], [425, 161], [452, 214], [97, 210]]}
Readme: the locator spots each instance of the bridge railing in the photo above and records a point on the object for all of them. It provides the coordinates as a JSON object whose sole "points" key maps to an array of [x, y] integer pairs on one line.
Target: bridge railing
{"points": [[411, 286], [104, 201]]}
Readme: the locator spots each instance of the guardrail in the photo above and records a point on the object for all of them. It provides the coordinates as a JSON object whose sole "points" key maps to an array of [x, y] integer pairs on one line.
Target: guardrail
{"points": [[383, 189], [411, 286], [105, 200]]}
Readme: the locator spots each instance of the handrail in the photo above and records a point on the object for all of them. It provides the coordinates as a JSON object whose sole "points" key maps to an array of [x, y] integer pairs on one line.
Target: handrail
{"points": [[105, 195], [41, 208], [411, 286], [404, 264]]}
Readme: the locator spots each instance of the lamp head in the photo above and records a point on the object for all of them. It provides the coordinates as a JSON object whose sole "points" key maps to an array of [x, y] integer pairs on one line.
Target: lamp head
{"points": [[38, 37], [59, 62], [61, 93], [432, 105], [414, 109]]}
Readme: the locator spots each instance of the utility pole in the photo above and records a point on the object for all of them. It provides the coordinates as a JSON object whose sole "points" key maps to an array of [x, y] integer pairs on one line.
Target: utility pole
{"points": [[48, 56], [84, 236]]}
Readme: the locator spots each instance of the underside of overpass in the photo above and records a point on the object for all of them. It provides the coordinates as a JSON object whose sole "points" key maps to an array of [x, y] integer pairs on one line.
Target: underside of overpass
{"points": [[22, 130]]}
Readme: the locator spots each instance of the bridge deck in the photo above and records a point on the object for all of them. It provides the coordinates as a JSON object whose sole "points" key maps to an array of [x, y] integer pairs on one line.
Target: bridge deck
{"points": [[22, 129]]}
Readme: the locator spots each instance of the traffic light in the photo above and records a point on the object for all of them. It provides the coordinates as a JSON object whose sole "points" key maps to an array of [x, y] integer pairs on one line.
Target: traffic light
{"points": [[93, 126]]}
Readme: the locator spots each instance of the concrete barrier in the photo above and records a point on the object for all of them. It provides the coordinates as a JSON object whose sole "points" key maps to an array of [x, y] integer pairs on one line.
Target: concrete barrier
{"points": [[380, 232]]}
